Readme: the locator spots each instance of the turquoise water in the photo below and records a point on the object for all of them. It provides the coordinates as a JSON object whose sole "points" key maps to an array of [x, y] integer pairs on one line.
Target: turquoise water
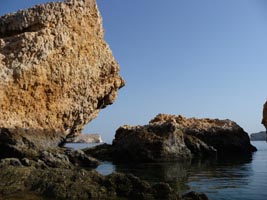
{"points": [[233, 178]]}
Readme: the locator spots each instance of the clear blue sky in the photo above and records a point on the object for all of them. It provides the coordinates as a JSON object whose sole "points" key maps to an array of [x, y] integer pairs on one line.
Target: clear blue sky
{"points": [[196, 58]]}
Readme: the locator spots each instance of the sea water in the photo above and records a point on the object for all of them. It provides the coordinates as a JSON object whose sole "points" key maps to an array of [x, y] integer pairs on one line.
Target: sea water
{"points": [[243, 177]]}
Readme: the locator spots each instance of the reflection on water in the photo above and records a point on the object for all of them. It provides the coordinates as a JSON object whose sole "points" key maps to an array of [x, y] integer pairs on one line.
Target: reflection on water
{"points": [[232, 178]]}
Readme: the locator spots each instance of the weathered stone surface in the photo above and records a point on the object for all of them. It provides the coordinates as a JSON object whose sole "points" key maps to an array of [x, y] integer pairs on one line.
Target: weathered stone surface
{"points": [[85, 138], [170, 137], [102, 152], [76, 184], [156, 142], [21, 143], [149, 143], [56, 70], [79, 158], [225, 136]]}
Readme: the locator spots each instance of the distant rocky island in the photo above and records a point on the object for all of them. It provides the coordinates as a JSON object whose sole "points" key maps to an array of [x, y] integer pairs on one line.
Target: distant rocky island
{"points": [[260, 136], [56, 74], [85, 138]]}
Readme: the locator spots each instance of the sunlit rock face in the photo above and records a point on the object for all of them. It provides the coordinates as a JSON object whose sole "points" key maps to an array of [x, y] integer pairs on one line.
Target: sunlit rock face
{"points": [[56, 70], [157, 142], [226, 136], [171, 137]]}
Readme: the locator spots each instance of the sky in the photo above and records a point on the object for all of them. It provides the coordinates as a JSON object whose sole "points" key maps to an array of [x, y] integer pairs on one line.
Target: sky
{"points": [[204, 59]]}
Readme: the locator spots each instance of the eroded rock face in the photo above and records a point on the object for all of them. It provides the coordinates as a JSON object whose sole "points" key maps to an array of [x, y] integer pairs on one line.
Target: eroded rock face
{"points": [[149, 143], [157, 142], [171, 137], [225, 136], [56, 70]]}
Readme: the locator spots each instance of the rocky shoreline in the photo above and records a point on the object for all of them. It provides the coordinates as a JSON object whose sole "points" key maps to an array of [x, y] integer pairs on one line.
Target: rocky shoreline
{"points": [[56, 74], [172, 138]]}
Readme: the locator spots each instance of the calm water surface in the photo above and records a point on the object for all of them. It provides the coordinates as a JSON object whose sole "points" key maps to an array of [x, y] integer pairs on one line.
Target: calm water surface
{"points": [[234, 178]]}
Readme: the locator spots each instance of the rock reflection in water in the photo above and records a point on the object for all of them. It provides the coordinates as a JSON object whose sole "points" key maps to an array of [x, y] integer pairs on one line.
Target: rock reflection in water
{"points": [[209, 175], [174, 173]]}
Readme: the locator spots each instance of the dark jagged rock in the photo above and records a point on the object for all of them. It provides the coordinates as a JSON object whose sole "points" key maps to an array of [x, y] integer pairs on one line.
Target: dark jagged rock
{"points": [[195, 196], [102, 152], [164, 142], [156, 142], [77, 184], [79, 158]]}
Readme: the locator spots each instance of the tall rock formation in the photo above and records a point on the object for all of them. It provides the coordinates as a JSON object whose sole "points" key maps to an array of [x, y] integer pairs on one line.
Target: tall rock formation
{"points": [[56, 70]]}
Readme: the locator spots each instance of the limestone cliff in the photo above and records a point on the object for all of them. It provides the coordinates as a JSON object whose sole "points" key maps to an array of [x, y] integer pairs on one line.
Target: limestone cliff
{"points": [[56, 70]]}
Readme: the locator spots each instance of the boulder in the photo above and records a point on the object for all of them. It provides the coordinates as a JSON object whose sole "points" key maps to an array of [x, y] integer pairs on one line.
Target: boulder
{"points": [[170, 137], [157, 142], [226, 136], [56, 73], [102, 152]]}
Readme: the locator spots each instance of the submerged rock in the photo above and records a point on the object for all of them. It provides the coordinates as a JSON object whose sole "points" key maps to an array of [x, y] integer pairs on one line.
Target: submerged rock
{"points": [[78, 184]]}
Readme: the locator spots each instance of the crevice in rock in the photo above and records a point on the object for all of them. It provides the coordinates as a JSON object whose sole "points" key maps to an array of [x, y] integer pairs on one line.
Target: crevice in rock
{"points": [[10, 33]]}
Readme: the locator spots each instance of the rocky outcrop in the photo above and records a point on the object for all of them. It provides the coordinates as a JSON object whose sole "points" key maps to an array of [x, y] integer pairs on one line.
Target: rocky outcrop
{"points": [[56, 73], [170, 137], [56, 70], [225, 136], [28, 182], [85, 138], [157, 142], [260, 136]]}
